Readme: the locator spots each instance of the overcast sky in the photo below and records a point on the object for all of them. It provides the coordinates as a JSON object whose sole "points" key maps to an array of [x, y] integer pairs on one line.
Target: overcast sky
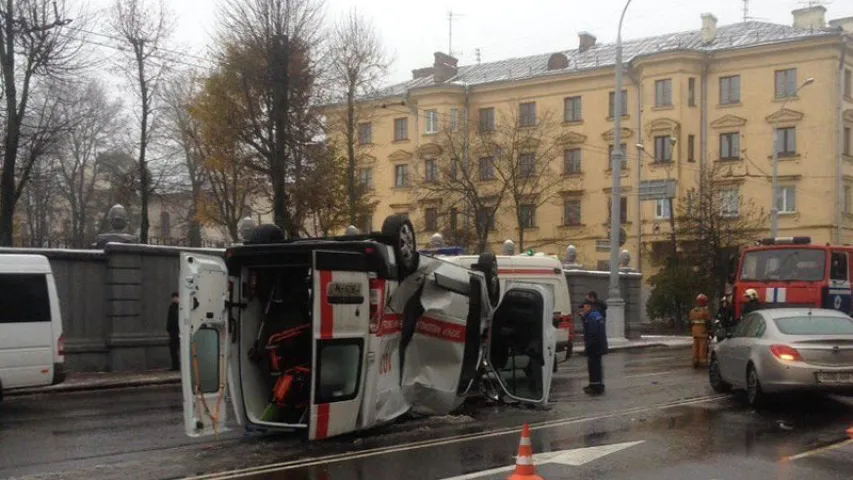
{"points": [[412, 31]]}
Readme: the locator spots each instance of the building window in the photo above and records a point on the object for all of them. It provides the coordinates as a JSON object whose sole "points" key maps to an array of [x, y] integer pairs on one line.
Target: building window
{"points": [[624, 149], [623, 209], [401, 129], [786, 83], [527, 165], [430, 170], [527, 114], [486, 219], [366, 177], [663, 92], [663, 149], [786, 141], [729, 202], [365, 133], [572, 212], [573, 109], [527, 215], [454, 169], [487, 168], [624, 107], [431, 219], [848, 83], [786, 199], [662, 210], [401, 176], [431, 123], [691, 148], [572, 161], [848, 199], [454, 119], [454, 220], [487, 119], [165, 224], [730, 146], [691, 92], [848, 141], [730, 90]]}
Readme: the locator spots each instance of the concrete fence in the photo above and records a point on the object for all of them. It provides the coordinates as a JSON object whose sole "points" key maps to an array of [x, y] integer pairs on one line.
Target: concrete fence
{"points": [[115, 302]]}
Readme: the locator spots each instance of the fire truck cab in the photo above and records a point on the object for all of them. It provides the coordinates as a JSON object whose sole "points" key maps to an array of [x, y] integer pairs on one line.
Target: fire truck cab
{"points": [[792, 271]]}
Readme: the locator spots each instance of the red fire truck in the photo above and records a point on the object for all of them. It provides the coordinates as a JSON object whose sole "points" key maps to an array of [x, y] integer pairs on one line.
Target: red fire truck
{"points": [[792, 271]]}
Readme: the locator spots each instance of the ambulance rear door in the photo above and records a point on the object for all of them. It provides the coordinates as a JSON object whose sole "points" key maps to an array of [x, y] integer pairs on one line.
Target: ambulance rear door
{"points": [[203, 292], [341, 327]]}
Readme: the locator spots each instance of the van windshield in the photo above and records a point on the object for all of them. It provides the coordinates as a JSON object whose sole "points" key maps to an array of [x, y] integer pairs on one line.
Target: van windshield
{"points": [[803, 264]]}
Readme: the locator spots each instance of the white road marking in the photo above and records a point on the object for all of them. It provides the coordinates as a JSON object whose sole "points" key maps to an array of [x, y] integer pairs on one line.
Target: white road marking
{"points": [[293, 464], [818, 450]]}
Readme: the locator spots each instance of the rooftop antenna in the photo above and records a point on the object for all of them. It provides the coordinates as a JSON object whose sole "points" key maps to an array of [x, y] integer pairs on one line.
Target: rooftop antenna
{"points": [[450, 17], [477, 55], [745, 10]]}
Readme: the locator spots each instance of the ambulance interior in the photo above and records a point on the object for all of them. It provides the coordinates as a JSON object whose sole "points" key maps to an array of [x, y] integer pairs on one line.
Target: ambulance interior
{"points": [[276, 345], [516, 350]]}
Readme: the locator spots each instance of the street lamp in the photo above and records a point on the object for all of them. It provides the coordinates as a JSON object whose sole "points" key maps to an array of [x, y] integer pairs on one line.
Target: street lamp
{"points": [[615, 303], [774, 206]]}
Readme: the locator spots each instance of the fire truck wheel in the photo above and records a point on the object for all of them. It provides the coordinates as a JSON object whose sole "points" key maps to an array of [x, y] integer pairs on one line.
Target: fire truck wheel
{"points": [[399, 228], [488, 264]]}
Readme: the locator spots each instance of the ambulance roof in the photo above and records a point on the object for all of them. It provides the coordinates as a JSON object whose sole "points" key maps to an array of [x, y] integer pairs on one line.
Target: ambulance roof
{"points": [[511, 261]]}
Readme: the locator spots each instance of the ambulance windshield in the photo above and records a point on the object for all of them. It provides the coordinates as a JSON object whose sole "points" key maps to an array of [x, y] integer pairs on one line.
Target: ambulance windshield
{"points": [[798, 264]]}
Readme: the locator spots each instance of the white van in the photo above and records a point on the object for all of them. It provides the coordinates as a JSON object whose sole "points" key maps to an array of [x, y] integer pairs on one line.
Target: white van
{"points": [[31, 340], [540, 270]]}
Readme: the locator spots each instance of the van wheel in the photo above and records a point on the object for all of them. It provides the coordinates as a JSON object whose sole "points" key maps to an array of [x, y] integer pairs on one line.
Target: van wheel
{"points": [[399, 228], [488, 264]]}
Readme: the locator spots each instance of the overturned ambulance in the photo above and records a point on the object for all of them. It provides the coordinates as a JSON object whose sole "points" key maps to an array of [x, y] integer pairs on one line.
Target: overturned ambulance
{"points": [[333, 335]]}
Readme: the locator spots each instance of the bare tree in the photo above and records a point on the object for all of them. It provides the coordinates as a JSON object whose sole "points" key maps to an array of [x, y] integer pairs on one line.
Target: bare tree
{"points": [[527, 160], [358, 63], [95, 125], [43, 215], [35, 49], [145, 30]]}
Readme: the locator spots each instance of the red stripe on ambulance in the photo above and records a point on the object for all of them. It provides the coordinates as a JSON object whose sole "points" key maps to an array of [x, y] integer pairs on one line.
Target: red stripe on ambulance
{"points": [[433, 327], [323, 414], [390, 324], [327, 312]]}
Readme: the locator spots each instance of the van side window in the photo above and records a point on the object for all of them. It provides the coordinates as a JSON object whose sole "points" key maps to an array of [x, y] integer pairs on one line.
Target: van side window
{"points": [[838, 269], [24, 298], [339, 370]]}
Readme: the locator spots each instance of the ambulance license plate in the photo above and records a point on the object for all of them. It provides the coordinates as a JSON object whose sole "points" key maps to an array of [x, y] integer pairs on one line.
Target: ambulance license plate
{"points": [[835, 378]]}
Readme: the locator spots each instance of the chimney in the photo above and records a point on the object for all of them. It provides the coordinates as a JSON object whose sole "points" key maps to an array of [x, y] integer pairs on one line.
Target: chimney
{"points": [[843, 24], [810, 18], [709, 28], [585, 41], [422, 72], [444, 67]]}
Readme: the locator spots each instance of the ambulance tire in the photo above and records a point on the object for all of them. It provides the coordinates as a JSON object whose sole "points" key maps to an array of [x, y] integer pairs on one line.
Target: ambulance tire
{"points": [[488, 264], [402, 234]]}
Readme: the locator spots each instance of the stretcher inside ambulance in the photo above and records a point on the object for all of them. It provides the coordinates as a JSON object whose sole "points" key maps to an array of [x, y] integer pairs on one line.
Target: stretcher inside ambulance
{"points": [[335, 335]]}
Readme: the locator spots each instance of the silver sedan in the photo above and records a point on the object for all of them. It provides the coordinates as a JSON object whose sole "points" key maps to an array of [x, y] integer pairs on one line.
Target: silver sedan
{"points": [[783, 350]]}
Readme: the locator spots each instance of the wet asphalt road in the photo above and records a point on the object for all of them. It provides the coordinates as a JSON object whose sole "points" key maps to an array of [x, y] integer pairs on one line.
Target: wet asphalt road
{"points": [[653, 397]]}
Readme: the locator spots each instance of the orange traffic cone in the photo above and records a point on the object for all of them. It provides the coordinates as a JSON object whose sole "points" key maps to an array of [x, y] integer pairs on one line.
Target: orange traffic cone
{"points": [[524, 469], [850, 432]]}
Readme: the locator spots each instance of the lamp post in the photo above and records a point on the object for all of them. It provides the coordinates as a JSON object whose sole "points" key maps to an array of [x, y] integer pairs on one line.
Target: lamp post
{"points": [[774, 206], [615, 303]]}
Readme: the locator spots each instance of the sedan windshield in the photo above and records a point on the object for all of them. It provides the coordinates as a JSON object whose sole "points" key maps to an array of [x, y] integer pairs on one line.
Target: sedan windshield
{"points": [[815, 325], [803, 264]]}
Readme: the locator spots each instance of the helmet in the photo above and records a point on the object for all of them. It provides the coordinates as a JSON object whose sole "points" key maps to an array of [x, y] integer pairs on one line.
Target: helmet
{"points": [[702, 300], [751, 294]]}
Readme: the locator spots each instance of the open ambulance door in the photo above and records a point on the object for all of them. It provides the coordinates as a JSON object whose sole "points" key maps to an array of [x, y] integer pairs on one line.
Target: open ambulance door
{"points": [[522, 343], [203, 290], [341, 314]]}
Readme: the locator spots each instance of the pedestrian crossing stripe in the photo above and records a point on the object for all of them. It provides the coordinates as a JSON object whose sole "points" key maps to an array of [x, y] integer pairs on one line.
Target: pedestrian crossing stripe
{"points": [[776, 295]]}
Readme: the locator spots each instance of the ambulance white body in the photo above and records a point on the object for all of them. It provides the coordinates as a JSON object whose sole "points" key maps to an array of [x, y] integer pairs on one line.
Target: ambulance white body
{"points": [[388, 332]]}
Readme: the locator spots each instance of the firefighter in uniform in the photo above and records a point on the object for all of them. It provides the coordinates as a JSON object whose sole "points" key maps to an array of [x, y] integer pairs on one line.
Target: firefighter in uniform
{"points": [[700, 319]]}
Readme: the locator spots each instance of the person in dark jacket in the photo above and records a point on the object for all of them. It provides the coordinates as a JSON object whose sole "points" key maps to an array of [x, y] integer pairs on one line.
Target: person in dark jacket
{"points": [[595, 345], [174, 332], [751, 303], [592, 297]]}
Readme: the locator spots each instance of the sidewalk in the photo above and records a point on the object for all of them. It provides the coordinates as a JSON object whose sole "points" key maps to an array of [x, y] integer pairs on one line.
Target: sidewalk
{"points": [[106, 380]]}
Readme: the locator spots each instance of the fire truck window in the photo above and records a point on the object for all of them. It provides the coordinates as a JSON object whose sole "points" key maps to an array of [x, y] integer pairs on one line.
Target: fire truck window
{"points": [[839, 266], [803, 264]]}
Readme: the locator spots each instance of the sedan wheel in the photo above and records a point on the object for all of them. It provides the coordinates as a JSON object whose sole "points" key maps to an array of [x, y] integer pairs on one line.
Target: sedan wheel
{"points": [[716, 378], [754, 395]]}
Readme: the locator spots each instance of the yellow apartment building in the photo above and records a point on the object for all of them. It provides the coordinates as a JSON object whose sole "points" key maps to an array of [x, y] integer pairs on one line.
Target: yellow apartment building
{"points": [[695, 99]]}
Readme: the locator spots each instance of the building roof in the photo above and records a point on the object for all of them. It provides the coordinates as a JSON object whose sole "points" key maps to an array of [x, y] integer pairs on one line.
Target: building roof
{"points": [[728, 37]]}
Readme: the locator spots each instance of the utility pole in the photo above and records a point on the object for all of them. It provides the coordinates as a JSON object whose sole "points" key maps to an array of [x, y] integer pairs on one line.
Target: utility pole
{"points": [[279, 60]]}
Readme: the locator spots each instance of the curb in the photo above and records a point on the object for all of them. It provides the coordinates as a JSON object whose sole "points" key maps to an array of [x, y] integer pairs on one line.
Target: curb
{"points": [[92, 387], [622, 348]]}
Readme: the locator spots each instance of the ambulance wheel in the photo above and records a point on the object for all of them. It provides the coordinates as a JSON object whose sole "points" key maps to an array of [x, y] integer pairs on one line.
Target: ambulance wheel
{"points": [[399, 228], [488, 264]]}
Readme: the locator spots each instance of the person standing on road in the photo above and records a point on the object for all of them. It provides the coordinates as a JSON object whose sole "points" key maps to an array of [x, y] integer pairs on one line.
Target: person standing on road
{"points": [[700, 319], [595, 345], [174, 332], [592, 297], [752, 304]]}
